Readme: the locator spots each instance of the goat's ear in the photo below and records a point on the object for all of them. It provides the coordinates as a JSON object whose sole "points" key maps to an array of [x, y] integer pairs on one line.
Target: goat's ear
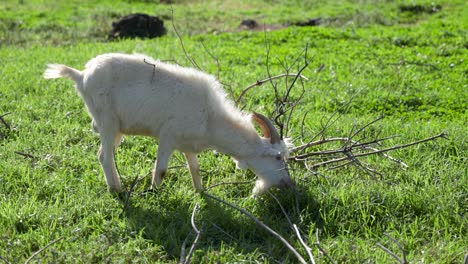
{"points": [[240, 164]]}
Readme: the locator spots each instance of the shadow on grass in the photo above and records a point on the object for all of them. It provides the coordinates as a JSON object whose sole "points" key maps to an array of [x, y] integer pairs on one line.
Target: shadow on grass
{"points": [[164, 218]]}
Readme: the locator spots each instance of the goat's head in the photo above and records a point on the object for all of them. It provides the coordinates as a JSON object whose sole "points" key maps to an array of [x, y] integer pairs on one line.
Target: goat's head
{"points": [[269, 160]]}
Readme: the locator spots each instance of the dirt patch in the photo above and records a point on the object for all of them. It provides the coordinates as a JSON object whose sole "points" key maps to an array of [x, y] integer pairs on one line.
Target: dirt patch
{"points": [[253, 25]]}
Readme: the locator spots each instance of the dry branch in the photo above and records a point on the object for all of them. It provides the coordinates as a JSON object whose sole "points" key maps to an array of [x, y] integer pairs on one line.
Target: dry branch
{"points": [[388, 251], [26, 155], [5, 260], [441, 135], [184, 259], [261, 82], [3, 120], [304, 245], [192, 61], [42, 249], [348, 151], [295, 229], [130, 191], [229, 183], [317, 243], [261, 224]]}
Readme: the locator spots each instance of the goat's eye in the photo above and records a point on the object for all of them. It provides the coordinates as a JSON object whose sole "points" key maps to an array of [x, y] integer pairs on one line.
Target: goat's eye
{"points": [[278, 157]]}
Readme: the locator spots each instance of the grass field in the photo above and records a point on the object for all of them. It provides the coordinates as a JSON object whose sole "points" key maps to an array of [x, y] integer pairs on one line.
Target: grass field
{"points": [[410, 66]]}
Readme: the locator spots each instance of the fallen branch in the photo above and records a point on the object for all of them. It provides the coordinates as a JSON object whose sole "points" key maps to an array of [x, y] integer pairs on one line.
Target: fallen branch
{"points": [[213, 57], [195, 242], [261, 82], [42, 249], [3, 120], [295, 229], [402, 261], [182, 249], [317, 243], [441, 135], [345, 150], [261, 224], [26, 155], [5, 260], [229, 183], [130, 191], [192, 61], [304, 245]]}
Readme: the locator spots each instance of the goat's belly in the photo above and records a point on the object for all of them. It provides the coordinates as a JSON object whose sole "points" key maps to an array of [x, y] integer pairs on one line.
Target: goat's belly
{"points": [[194, 146], [138, 130]]}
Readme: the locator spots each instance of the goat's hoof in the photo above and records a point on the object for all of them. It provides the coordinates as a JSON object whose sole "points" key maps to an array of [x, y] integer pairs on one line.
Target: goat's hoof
{"points": [[122, 196], [148, 192], [200, 191], [116, 190]]}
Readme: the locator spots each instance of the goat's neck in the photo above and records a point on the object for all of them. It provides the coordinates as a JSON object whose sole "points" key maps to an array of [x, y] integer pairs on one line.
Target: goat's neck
{"points": [[234, 140]]}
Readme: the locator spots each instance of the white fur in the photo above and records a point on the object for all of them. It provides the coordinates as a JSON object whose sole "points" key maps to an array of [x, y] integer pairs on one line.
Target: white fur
{"points": [[185, 108]]}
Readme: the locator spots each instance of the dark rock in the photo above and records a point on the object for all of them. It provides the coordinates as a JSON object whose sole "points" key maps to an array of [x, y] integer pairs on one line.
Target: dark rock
{"points": [[248, 24], [309, 23], [138, 26], [418, 9]]}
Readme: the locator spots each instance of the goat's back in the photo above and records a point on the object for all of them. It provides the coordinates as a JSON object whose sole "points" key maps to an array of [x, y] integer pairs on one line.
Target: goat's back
{"points": [[148, 95]]}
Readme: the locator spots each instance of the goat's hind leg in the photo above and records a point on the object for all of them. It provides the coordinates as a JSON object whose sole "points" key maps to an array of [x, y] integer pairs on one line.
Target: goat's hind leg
{"points": [[109, 139]]}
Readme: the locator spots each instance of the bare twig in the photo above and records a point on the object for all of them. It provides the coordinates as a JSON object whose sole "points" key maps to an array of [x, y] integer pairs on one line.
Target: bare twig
{"points": [[228, 183], [317, 244], [295, 229], [304, 245], [315, 143], [365, 126], [197, 238], [282, 101], [3, 120], [154, 68], [261, 224], [192, 61], [224, 232], [182, 248], [42, 249], [130, 190], [332, 119], [388, 251], [343, 150], [405, 62], [192, 219], [282, 209], [402, 261], [320, 68], [5, 260], [261, 82], [26, 155], [214, 58], [441, 135]]}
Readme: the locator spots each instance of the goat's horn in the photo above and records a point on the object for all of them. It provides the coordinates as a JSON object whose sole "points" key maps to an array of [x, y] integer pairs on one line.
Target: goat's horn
{"points": [[268, 129]]}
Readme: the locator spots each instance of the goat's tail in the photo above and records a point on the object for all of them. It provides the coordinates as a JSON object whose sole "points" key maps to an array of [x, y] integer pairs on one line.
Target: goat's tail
{"points": [[58, 70]]}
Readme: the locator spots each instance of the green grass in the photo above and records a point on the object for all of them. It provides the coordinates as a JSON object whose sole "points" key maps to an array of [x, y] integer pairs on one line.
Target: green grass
{"points": [[411, 67]]}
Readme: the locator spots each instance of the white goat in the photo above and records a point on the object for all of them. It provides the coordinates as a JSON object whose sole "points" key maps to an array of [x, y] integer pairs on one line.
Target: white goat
{"points": [[185, 108]]}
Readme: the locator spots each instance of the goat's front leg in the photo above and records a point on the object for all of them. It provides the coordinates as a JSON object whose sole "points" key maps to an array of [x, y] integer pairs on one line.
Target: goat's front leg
{"points": [[160, 165], [194, 169]]}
